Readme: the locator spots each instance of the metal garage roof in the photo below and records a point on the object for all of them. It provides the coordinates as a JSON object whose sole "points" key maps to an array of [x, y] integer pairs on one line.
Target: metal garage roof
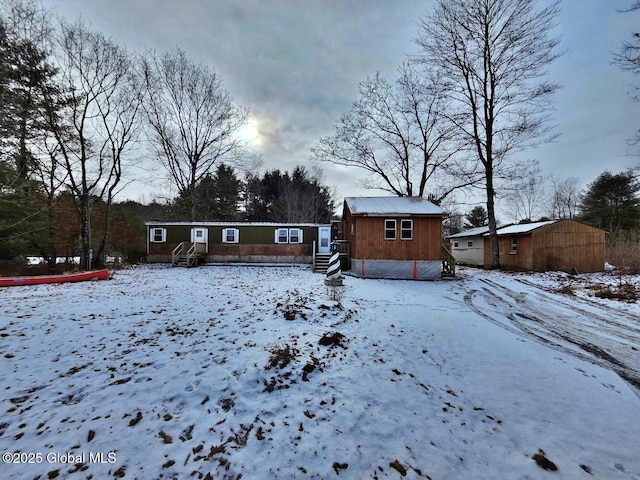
{"points": [[392, 206]]}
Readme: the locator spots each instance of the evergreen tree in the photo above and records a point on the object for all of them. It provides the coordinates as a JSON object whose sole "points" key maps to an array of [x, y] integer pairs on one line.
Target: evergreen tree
{"points": [[28, 90], [226, 194], [283, 197], [611, 202], [214, 198], [477, 217]]}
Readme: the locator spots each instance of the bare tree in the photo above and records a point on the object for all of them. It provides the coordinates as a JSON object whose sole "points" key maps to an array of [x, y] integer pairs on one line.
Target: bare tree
{"points": [[564, 197], [395, 132], [526, 198], [193, 122], [628, 58], [99, 123], [492, 55]]}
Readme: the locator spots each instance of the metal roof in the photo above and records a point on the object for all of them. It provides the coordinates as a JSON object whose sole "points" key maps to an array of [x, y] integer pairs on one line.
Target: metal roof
{"points": [[523, 227], [472, 232], [235, 224], [392, 206]]}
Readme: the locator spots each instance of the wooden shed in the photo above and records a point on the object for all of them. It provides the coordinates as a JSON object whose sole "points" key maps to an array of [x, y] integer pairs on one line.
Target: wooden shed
{"points": [[393, 237], [196, 242], [555, 245]]}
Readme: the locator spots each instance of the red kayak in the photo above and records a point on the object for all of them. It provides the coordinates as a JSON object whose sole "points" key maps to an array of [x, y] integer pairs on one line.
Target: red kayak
{"points": [[65, 278]]}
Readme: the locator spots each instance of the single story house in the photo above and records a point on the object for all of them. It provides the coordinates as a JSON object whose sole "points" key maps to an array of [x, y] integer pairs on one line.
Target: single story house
{"points": [[554, 245], [393, 237], [467, 246], [190, 243]]}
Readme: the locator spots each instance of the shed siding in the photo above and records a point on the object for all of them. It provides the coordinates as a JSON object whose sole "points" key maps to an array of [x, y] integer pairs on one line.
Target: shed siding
{"points": [[368, 239], [563, 245], [566, 245]]}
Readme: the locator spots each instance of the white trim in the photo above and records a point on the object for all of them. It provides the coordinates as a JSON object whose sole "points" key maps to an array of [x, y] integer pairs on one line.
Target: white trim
{"points": [[201, 239], [236, 224], [152, 234], [324, 233], [403, 229], [278, 237], [235, 233], [295, 232], [387, 229]]}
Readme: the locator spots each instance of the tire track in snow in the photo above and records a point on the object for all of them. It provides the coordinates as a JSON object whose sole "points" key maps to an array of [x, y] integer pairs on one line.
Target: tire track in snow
{"points": [[585, 319], [606, 309], [603, 345]]}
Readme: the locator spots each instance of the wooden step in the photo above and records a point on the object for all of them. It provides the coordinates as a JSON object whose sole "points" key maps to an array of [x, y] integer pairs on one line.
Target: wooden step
{"points": [[322, 263], [183, 261]]}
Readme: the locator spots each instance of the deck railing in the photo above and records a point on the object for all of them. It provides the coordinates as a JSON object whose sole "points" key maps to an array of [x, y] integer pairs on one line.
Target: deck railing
{"points": [[192, 255], [177, 252], [448, 262], [187, 251]]}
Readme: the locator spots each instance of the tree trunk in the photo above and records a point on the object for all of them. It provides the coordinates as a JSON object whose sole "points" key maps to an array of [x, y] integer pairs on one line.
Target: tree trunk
{"points": [[491, 216], [52, 253], [85, 231]]}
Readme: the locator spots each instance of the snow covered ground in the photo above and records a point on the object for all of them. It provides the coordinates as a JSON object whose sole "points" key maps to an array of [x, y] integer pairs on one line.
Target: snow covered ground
{"points": [[261, 373]]}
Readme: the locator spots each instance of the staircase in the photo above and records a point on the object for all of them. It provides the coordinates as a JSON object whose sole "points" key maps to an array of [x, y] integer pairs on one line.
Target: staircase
{"points": [[187, 254], [448, 263], [321, 262]]}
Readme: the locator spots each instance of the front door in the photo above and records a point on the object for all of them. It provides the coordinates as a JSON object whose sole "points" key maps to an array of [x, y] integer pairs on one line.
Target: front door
{"points": [[324, 239], [200, 235]]}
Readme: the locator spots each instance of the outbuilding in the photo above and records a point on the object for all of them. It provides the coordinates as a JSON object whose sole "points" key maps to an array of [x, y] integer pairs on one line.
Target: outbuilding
{"points": [[395, 237], [554, 245], [467, 246]]}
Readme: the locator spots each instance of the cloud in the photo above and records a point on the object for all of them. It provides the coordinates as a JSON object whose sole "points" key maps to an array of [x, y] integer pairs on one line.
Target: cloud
{"points": [[296, 65]]}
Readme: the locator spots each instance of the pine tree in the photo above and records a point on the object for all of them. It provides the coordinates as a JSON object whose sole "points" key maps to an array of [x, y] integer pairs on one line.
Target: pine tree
{"points": [[283, 197], [477, 217], [611, 202]]}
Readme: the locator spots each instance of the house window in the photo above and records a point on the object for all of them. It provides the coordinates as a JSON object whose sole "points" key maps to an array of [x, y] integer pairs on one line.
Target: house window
{"points": [[455, 244], [406, 229], [230, 235], [158, 235], [469, 244], [282, 235], [514, 244], [389, 229], [295, 235]]}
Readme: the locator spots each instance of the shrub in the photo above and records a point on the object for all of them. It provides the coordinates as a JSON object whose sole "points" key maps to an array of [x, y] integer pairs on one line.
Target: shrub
{"points": [[623, 251]]}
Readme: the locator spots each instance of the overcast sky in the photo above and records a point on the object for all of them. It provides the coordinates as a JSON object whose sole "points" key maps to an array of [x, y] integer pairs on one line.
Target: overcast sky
{"points": [[296, 65]]}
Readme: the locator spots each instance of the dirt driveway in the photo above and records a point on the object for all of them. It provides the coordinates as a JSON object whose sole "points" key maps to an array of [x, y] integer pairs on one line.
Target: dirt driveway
{"points": [[590, 330]]}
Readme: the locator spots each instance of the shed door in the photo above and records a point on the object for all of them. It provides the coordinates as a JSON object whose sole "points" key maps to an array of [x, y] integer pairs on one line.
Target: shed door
{"points": [[200, 235], [324, 239]]}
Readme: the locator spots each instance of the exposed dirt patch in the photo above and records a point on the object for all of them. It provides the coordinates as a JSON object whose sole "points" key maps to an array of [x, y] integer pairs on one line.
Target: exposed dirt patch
{"points": [[396, 465], [543, 462], [625, 292], [281, 356], [331, 339]]}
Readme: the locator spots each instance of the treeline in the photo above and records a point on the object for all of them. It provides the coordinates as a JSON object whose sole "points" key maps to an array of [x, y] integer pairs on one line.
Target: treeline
{"points": [[277, 196], [609, 202], [52, 232]]}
